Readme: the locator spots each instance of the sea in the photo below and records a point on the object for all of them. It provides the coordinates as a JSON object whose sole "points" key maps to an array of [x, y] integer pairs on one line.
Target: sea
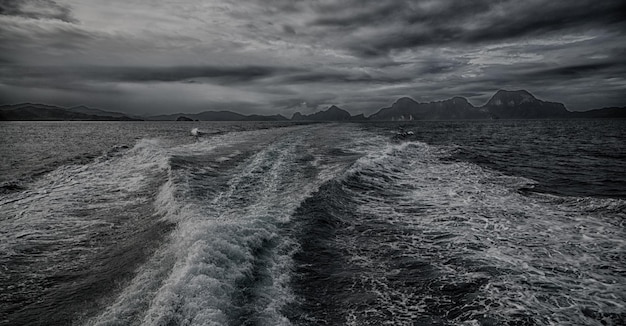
{"points": [[282, 223]]}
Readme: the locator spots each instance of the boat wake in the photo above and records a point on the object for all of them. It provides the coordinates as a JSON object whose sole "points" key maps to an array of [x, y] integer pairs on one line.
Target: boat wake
{"points": [[305, 225]]}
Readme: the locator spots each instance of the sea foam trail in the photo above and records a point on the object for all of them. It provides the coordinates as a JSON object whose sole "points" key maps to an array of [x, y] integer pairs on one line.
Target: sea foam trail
{"points": [[68, 239], [431, 241], [229, 259], [307, 225]]}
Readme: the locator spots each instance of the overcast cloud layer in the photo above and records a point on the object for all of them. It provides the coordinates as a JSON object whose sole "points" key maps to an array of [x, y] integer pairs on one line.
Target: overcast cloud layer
{"points": [[283, 56]]}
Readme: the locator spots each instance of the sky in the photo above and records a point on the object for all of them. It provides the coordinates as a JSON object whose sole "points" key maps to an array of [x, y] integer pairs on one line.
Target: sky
{"points": [[149, 57]]}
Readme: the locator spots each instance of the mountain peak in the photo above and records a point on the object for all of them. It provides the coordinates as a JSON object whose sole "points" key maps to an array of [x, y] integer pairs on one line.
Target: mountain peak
{"points": [[334, 108], [511, 98], [522, 105], [507, 92], [406, 108], [459, 100], [333, 113], [404, 101]]}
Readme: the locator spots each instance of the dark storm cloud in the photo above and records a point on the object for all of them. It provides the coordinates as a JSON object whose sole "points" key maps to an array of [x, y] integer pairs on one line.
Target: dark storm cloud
{"points": [[580, 70], [554, 16], [356, 14], [239, 74], [410, 24], [173, 74], [21, 39], [303, 56], [351, 14], [36, 9], [289, 29], [342, 77]]}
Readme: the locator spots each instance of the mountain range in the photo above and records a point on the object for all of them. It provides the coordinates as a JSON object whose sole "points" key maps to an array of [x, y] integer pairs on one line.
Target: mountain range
{"points": [[502, 105], [30, 111], [333, 113], [217, 116]]}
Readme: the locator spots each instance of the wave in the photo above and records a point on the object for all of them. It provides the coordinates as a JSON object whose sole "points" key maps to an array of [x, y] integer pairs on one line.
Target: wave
{"points": [[78, 230], [307, 225], [407, 236], [229, 259]]}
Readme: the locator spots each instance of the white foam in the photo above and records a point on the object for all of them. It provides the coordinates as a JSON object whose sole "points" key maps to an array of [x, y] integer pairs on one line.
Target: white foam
{"points": [[119, 181], [445, 211], [541, 239], [223, 240]]}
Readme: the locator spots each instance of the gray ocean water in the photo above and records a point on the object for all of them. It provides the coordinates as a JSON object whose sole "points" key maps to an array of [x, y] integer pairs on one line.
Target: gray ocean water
{"points": [[261, 223]]}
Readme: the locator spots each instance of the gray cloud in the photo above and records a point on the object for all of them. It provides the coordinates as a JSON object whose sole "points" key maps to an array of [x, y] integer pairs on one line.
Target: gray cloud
{"points": [[580, 70], [238, 74], [342, 77], [412, 24], [289, 29], [37, 9], [282, 56], [173, 74]]}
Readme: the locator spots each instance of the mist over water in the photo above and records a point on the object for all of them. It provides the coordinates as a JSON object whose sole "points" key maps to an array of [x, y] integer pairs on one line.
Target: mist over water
{"points": [[461, 223]]}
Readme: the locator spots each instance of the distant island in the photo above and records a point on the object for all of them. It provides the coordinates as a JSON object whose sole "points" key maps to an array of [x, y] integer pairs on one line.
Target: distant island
{"points": [[503, 104], [216, 116], [42, 112]]}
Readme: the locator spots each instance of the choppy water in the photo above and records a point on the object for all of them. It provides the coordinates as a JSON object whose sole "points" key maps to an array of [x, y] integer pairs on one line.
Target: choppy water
{"points": [[464, 223]]}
